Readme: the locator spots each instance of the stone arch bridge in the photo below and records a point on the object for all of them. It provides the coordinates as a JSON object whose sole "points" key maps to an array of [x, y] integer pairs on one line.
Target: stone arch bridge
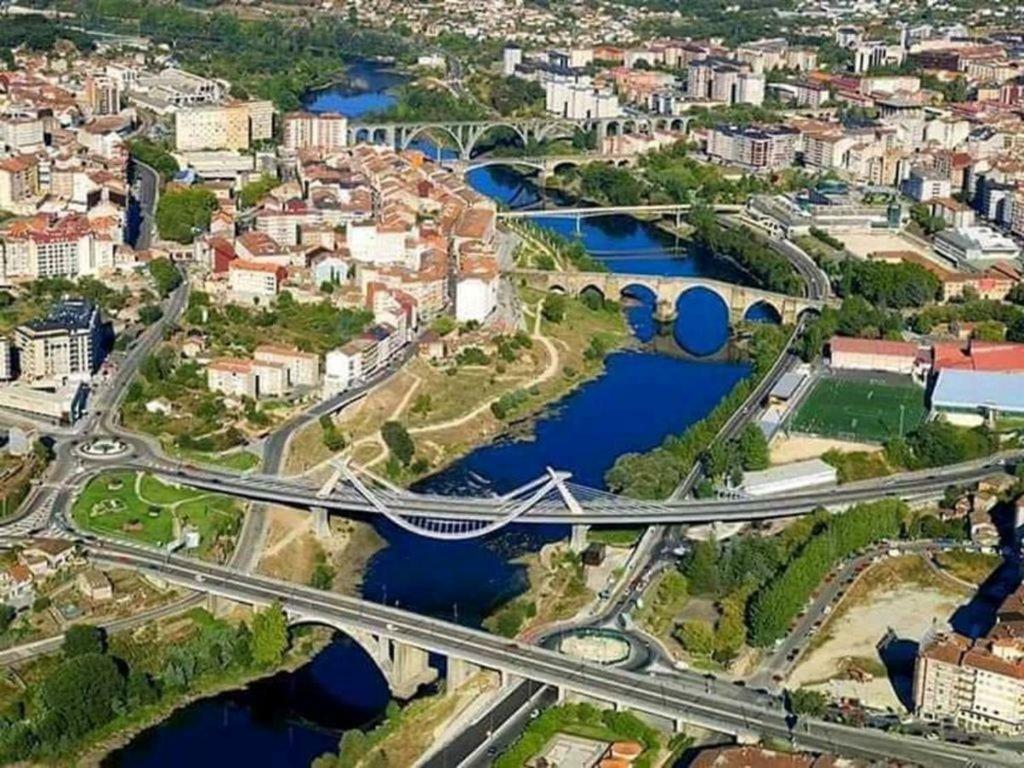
{"points": [[667, 291], [467, 134]]}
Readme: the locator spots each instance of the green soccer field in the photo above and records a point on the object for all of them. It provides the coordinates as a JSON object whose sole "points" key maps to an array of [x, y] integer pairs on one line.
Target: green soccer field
{"points": [[859, 409]]}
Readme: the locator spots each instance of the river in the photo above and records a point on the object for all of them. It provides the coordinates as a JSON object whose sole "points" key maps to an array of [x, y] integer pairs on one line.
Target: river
{"points": [[642, 397]]}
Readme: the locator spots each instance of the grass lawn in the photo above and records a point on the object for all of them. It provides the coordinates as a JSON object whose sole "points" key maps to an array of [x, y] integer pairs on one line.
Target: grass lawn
{"points": [[616, 537], [240, 461], [974, 567], [110, 505], [866, 409]]}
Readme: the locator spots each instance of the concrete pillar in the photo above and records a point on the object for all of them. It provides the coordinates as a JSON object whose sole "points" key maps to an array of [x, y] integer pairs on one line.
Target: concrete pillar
{"points": [[391, 138], [560, 697], [665, 312], [321, 523], [508, 679], [578, 539], [410, 668], [459, 671]]}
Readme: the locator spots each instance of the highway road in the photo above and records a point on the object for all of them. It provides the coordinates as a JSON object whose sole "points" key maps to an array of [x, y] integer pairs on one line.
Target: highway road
{"points": [[149, 194], [493, 731], [600, 509], [686, 697]]}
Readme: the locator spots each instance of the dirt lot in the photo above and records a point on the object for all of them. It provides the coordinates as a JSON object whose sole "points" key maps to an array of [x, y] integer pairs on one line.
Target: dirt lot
{"points": [[789, 448], [863, 245], [291, 548], [901, 593]]}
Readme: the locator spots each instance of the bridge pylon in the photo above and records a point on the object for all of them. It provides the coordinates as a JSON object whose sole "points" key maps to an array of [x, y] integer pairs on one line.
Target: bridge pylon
{"points": [[578, 538]]}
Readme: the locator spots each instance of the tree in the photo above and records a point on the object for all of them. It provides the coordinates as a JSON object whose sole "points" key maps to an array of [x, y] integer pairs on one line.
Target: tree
{"points": [[697, 637], [84, 638], [753, 448], [804, 701], [269, 636], [701, 567], [553, 309], [254, 191], [7, 614], [166, 276], [140, 689], [397, 438], [81, 694], [181, 213], [149, 314]]}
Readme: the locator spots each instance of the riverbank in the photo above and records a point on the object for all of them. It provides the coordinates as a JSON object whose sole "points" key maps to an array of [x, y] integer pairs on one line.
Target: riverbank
{"points": [[557, 590], [116, 736], [452, 408]]}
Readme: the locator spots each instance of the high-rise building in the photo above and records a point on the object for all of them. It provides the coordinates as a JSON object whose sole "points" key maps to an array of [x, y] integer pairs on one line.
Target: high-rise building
{"points": [[62, 347], [304, 130], [754, 147], [223, 126], [103, 95]]}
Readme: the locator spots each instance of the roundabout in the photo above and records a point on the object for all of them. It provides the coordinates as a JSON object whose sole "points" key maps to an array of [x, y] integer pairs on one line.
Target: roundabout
{"points": [[607, 647], [104, 448]]}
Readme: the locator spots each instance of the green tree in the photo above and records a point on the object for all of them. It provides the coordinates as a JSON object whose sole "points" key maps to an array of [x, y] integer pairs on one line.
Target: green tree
{"points": [[399, 443], [697, 637], [269, 636], [804, 701], [81, 639], [81, 694], [166, 276], [254, 191], [181, 213], [753, 448], [554, 307], [701, 568]]}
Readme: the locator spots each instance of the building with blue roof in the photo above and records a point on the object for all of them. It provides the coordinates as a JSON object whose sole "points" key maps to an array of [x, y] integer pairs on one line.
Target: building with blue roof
{"points": [[982, 394]]}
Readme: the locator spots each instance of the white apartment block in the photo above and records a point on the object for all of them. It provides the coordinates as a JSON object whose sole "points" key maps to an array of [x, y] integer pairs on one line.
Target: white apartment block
{"points": [[756, 148], [303, 130], [302, 368], [68, 248], [21, 132], [575, 97], [63, 347], [19, 183], [253, 281]]}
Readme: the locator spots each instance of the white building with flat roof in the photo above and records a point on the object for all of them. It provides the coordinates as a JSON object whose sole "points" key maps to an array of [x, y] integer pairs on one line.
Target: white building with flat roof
{"points": [[800, 475], [975, 244]]}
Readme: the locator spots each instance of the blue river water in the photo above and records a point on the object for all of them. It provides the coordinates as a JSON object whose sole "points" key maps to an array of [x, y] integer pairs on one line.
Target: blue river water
{"points": [[642, 397]]}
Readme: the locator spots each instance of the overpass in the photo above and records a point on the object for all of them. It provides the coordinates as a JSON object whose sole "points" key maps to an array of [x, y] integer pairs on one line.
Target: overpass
{"points": [[684, 698], [465, 135], [552, 498], [668, 290], [545, 164]]}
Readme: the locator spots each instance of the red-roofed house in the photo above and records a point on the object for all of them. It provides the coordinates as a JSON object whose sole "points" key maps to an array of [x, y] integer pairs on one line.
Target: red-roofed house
{"points": [[873, 355], [979, 356]]}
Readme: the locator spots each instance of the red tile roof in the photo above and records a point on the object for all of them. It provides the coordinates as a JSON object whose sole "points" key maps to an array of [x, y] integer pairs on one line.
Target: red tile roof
{"points": [[873, 347]]}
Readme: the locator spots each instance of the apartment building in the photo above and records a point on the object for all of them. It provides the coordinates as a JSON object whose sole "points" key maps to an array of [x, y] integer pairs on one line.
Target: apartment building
{"points": [[753, 147], [476, 284], [302, 368], [43, 247], [19, 182], [102, 95], [21, 131], [232, 126], [977, 682], [577, 98], [65, 346], [255, 282], [326, 132], [724, 81], [237, 377]]}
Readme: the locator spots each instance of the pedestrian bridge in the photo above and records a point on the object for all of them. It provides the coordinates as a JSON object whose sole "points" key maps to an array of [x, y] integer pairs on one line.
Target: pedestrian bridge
{"points": [[739, 299]]}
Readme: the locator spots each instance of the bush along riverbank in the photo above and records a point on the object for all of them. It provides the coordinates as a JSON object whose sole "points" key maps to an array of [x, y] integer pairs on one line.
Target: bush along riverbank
{"points": [[655, 474], [92, 697]]}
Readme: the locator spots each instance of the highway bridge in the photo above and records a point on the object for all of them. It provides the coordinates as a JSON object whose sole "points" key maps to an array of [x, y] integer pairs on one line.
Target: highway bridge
{"points": [[466, 135], [552, 498], [406, 639]]}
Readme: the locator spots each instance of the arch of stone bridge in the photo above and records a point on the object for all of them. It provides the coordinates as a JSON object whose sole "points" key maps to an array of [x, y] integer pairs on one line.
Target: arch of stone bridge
{"points": [[674, 293], [520, 162], [555, 130], [518, 130], [594, 287], [362, 135], [377, 648], [424, 130], [764, 302], [573, 163]]}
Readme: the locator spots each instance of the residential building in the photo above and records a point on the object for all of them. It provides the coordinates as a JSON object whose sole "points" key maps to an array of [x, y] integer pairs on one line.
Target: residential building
{"points": [[755, 148], [94, 585], [476, 285], [924, 185], [65, 346], [17, 588], [231, 126], [63, 405], [252, 281], [102, 95], [19, 182], [327, 132], [232, 377], [303, 368], [21, 131], [44, 246], [577, 98], [978, 683]]}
